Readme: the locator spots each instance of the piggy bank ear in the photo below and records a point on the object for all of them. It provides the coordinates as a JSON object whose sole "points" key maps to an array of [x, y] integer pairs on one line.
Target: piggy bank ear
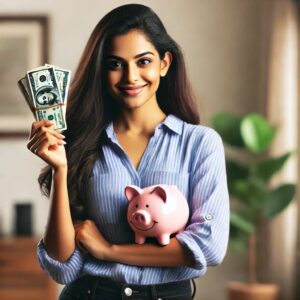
{"points": [[131, 191], [161, 192]]}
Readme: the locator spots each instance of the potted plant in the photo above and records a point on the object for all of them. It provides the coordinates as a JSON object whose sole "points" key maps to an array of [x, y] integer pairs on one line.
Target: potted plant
{"points": [[251, 194]]}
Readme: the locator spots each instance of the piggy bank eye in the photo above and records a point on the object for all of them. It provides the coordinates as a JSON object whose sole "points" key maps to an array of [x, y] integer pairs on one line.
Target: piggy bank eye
{"points": [[136, 205], [147, 205]]}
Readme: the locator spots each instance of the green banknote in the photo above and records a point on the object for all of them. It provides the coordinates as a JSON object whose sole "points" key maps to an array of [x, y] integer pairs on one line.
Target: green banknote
{"points": [[63, 80], [55, 114], [45, 90], [44, 87]]}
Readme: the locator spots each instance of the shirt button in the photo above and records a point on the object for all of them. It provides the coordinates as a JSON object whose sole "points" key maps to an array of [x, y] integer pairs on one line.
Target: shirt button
{"points": [[88, 292], [208, 217], [128, 291]]}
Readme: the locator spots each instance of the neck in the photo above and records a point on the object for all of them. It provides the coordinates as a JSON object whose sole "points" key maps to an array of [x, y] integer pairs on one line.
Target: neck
{"points": [[139, 120]]}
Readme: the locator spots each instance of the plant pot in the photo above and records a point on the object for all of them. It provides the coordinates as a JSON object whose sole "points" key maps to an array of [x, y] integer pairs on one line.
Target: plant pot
{"points": [[252, 291]]}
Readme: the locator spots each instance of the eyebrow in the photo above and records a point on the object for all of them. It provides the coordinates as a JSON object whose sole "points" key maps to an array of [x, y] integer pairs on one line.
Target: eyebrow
{"points": [[136, 56]]}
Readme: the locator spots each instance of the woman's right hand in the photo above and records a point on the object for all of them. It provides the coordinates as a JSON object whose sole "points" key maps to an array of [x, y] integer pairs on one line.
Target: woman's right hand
{"points": [[48, 144]]}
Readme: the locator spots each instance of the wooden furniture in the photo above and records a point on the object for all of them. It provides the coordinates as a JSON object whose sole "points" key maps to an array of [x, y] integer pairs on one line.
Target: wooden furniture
{"points": [[21, 277]]}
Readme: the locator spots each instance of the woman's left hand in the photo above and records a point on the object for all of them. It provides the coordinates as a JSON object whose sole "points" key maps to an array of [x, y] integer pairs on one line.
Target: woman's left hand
{"points": [[89, 239]]}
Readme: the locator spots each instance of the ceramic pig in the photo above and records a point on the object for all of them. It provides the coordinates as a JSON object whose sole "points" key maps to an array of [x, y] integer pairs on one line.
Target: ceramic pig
{"points": [[156, 211]]}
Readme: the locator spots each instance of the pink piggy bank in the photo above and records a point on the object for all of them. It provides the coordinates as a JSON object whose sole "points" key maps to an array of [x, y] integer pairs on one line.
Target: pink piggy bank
{"points": [[156, 211]]}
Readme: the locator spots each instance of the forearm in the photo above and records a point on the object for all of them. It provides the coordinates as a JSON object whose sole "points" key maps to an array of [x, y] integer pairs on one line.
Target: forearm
{"points": [[59, 238], [151, 255]]}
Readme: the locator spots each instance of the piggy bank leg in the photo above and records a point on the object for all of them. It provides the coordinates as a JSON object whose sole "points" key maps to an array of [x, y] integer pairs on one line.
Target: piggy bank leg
{"points": [[139, 239], [164, 239]]}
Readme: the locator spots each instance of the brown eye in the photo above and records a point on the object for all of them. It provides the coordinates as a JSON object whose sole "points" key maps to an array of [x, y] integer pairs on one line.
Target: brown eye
{"points": [[144, 61], [136, 206], [147, 205], [115, 64]]}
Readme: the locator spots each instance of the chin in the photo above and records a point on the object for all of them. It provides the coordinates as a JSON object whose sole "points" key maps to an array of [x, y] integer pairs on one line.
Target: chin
{"points": [[133, 103]]}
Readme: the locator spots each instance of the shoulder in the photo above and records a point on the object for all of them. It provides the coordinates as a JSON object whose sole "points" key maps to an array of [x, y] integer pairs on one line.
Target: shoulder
{"points": [[207, 149], [202, 135]]}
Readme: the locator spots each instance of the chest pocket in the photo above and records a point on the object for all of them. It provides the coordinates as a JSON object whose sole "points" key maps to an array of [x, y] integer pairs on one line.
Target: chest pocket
{"points": [[107, 203], [181, 180]]}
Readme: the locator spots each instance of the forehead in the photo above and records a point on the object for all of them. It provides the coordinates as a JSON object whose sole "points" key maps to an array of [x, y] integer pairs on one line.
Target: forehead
{"points": [[130, 44]]}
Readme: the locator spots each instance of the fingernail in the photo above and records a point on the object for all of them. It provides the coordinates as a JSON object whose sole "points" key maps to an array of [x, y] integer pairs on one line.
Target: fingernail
{"points": [[62, 135]]}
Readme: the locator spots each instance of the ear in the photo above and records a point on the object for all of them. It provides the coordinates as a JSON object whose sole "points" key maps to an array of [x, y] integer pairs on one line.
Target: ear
{"points": [[131, 191], [165, 63], [160, 192]]}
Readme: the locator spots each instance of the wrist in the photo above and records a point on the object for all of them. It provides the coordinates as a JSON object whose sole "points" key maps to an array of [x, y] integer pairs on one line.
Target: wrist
{"points": [[62, 170], [112, 252]]}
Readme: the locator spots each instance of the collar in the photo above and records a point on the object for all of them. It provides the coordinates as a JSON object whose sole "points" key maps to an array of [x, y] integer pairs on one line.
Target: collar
{"points": [[171, 121]]}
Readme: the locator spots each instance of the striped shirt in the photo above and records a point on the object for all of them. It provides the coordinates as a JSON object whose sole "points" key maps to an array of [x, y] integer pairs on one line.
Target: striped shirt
{"points": [[182, 154]]}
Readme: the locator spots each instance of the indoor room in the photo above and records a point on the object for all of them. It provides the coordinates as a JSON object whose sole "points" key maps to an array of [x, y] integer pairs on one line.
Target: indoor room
{"points": [[220, 126]]}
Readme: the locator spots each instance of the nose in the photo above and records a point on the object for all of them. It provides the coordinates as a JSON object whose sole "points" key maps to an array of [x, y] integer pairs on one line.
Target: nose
{"points": [[141, 217], [131, 73]]}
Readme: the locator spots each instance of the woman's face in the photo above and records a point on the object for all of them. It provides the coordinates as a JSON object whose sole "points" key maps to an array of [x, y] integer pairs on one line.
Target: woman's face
{"points": [[134, 69]]}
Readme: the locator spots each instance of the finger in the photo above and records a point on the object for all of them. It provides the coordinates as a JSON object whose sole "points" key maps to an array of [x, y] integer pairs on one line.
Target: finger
{"points": [[77, 227], [49, 132], [81, 247], [47, 140], [36, 125], [41, 147], [79, 244], [45, 133]]}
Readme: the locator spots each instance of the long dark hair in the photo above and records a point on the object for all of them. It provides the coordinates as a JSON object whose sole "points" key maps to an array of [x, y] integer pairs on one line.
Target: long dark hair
{"points": [[90, 107]]}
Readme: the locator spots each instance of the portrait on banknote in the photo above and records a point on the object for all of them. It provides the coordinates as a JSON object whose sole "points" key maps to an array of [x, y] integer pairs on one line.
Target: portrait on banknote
{"points": [[23, 46]]}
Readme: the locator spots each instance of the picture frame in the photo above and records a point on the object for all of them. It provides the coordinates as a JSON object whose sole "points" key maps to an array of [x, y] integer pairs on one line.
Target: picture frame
{"points": [[23, 46]]}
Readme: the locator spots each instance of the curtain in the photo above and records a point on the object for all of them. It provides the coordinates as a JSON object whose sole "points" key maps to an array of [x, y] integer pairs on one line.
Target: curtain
{"points": [[277, 261]]}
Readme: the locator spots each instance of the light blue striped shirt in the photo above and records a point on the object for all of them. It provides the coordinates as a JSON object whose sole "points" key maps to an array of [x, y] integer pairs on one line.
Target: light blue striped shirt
{"points": [[186, 155]]}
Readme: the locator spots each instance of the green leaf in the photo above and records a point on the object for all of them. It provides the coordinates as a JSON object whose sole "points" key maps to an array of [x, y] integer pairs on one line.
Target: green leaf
{"points": [[228, 126], [239, 189], [278, 200], [240, 222], [250, 192], [266, 169], [257, 133], [236, 170]]}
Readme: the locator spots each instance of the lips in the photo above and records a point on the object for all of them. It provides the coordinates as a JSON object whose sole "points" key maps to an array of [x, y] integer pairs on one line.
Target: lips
{"points": [[132, 90]]}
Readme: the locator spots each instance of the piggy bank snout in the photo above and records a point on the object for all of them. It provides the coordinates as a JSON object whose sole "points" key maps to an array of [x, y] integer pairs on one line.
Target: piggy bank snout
{"points": [[141, 217]]}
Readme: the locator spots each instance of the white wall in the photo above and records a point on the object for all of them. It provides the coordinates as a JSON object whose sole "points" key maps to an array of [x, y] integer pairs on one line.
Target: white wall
{"points": [[220, 39]]}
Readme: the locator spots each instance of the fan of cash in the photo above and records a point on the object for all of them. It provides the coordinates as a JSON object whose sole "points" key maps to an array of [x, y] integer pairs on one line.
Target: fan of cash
{"points": [[45, 90]]}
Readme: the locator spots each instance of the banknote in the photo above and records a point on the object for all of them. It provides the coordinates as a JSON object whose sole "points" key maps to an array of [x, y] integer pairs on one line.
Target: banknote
{"points": [[63, 79], [25, 89], [44, 87], [55, 114], [45, 90]]}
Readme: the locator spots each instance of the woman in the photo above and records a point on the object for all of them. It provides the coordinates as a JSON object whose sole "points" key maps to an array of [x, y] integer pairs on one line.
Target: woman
{"points": [[131, 120]]}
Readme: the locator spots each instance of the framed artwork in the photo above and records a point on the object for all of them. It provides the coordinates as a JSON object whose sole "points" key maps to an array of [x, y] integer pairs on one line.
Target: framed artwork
{"points": [[23, 46]]}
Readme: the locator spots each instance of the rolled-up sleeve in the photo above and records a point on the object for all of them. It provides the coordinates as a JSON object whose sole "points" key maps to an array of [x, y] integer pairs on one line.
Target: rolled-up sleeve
{"points": [[62, 273], [207, 233]]}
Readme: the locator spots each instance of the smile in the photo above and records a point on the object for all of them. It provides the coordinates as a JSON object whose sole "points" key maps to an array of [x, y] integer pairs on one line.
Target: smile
{"points": [[154, 222], [132, 90]]}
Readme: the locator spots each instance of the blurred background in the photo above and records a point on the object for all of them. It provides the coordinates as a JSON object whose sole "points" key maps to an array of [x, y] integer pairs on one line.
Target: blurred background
{"points": [[242, 57]]}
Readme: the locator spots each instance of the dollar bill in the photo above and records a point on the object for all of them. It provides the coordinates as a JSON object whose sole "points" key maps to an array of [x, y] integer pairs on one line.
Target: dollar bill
{"points": [[55, 114], [44, 87], [25, 89], [63, 79], [45, 90]]}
